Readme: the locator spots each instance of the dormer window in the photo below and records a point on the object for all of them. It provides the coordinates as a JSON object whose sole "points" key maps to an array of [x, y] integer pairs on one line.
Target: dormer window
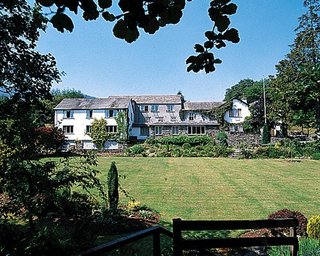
{"points": [[170, 108], [155, 108], [143, 108], [192, 116]]}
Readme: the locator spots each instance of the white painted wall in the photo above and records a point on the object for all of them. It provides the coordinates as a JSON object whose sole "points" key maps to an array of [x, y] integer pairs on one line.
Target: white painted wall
{"points": [[237, 104]]}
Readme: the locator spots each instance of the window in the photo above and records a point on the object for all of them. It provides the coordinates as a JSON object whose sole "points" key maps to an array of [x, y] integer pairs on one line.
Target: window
{"points": [[196, 130], [170, 108], [192, 116], [235, 112], [88, 129], [154, 108], [143, 108], [160, 119], [68, 114], [144, 131], [112, 129], [89, 114], [111, 113], [175, 130], [158, 130], [67, 129]]}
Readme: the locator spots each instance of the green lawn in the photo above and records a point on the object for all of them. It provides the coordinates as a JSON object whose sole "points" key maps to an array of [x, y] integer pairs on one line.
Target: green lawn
{"points": [[208, 188]]}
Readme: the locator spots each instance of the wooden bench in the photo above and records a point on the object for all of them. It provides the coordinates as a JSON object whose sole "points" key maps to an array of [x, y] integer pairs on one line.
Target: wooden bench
{"points": [[180, 243]]}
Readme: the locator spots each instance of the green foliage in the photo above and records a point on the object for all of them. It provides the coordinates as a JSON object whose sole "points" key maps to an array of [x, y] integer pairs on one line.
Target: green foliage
{"points": [[49, 139], [122, 125], [307, 247], [266, 136], [136, 149], [222, 137], [113, 184], [99, 132], [296, 85], [313, 227], [181, 139]]}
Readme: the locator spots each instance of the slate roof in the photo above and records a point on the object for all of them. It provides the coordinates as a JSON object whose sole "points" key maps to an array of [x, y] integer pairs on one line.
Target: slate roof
{"points": [[97, 103], [153, 99], [201, 105]]}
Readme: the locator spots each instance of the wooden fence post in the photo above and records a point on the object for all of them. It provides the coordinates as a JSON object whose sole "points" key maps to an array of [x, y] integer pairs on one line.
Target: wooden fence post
{"points": [[156, 244], [177, 237]]}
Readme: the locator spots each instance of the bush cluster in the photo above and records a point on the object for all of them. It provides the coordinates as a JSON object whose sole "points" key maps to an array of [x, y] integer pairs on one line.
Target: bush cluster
{"points": [[289, 149], [185, 150], [313, 227], [180, 140], [288, 214]]}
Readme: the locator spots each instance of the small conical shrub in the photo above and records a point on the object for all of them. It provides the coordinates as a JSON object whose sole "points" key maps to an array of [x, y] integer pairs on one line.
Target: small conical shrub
{"points": [[113, 193], [265, 135]]}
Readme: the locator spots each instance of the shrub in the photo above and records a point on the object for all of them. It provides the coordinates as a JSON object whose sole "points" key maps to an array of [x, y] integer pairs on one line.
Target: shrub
{"points": [[307, 247], [136, 149], [113, 193], [186, 146], [313, 227], [182, 139], [316, 156], [222, 137], [265, 135], [287, 214]]}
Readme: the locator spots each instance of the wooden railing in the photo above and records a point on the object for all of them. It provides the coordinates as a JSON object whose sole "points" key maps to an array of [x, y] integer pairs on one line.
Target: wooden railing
{"points": [[116, 244], [180, 243]]}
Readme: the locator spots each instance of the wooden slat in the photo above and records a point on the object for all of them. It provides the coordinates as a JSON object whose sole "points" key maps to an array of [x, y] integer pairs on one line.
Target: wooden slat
{"points": [[233, 224]]}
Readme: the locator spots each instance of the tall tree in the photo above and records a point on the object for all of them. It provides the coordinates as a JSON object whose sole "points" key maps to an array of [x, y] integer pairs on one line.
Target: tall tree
{"points": [[296, 86]]}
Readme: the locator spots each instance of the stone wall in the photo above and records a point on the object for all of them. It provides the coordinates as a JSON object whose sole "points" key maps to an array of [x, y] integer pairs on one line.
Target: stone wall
{"points": [[236, 139]]}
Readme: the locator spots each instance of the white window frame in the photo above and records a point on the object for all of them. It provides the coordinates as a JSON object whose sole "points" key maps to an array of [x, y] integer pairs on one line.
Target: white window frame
{"points": [[154, 108], [67, 129], [68, 114], [192, 116], [196, 130], [175, 130], [89, 114], [158, 130], [144, 131], [170, 108], [235, 112], [111, 128], [143, 108]]}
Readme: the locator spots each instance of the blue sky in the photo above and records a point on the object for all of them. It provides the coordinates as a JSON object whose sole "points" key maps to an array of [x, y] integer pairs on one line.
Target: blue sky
{"points": [[100, 65]]}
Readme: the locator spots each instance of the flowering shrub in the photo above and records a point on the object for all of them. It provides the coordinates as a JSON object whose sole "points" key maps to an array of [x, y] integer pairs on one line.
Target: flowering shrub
{"points": [[313, 227], [288, 214]]}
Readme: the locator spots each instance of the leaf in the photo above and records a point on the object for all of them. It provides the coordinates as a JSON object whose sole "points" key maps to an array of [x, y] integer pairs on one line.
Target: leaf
{"points": [[105, 3], [232, 35], [208, 44], [46, 3], [199, 48], [152, 25], [217, 61], [61, 22], [210, 35], [108, 16], [192, 59], [120, 29], [222, 23], [229, 9], [132, 35]]}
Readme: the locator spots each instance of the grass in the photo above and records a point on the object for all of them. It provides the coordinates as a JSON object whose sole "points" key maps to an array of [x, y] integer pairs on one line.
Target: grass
{"points": [[208, 188]]}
